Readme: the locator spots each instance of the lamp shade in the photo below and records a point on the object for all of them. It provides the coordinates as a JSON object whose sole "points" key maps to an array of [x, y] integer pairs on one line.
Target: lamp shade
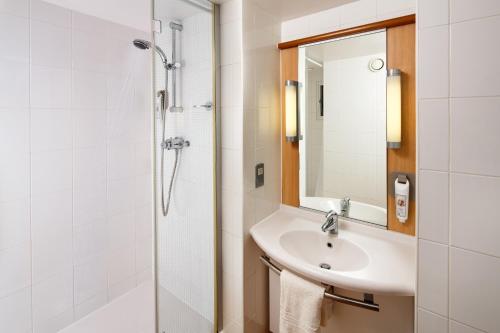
{"points": [[291, 110], [394, 108]]}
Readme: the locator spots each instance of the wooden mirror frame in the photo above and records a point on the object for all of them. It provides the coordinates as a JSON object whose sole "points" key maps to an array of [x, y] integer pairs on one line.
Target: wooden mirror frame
{"points": [[401, 55]]}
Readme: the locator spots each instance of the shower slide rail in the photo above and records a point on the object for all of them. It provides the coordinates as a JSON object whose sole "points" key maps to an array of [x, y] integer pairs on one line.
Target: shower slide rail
{"points": [[367, 303]]}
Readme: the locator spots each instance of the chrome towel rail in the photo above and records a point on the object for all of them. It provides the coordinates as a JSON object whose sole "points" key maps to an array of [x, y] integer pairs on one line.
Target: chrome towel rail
{"points": [[367, 303]]}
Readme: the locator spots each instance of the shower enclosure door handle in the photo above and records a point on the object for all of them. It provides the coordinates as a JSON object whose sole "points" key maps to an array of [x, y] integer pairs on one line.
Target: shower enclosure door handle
{"points": [[207, 106]]}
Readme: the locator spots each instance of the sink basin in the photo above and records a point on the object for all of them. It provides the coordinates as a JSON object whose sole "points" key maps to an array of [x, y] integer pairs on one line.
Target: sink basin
{"points": [[316, 248], [360, 258]]}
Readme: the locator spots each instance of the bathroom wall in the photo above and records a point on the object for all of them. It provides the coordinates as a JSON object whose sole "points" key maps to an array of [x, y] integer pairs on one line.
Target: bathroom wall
{"points": [[250, 135], [459, 166], [75, 173], [349, 15], [133, 13], [190, 220], [262, 144], [231, 68]]}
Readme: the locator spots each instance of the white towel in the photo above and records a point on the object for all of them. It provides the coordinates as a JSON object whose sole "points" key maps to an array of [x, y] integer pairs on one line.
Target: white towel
{"points": [[300, 304]]}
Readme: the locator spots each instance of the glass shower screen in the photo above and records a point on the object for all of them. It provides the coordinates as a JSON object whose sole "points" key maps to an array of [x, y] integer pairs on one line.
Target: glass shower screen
{"points": [[185, 166]]}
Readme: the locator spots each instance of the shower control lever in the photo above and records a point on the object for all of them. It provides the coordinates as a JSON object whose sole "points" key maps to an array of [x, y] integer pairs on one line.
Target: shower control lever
{"points": [[207, 105], [175, 143]]}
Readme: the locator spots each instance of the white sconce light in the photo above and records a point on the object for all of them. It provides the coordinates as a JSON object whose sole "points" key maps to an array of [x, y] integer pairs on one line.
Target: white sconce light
{"points": [[393, 108], [292, 111]]}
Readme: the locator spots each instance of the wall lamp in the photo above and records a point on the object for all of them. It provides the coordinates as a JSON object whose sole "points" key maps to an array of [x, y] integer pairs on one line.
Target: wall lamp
{"points": [[393, 108], [292, 117]]}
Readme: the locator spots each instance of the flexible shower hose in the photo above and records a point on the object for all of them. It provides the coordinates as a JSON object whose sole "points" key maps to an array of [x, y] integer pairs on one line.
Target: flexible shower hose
{"points": [[165, 204]]}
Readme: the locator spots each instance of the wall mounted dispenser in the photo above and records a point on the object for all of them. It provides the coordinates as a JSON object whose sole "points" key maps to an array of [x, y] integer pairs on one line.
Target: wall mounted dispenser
{"points": [[402, 194]]}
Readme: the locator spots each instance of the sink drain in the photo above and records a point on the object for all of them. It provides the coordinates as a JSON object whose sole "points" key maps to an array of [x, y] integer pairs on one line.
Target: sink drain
{"points": [[325, 266]]}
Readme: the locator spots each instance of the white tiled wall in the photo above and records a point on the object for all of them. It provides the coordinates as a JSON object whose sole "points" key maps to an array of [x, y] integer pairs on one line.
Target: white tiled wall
{"points": [[348, 15], [75, 189], [459, 167], [262, 144], [185, 236], [231, 68]]}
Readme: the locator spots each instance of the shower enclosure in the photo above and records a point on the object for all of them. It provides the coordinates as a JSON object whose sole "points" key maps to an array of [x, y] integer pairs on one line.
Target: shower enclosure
{"points": [[185, 155]]}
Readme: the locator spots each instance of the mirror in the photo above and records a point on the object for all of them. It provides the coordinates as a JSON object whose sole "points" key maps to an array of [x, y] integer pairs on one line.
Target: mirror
{"points": [[343, 126]]}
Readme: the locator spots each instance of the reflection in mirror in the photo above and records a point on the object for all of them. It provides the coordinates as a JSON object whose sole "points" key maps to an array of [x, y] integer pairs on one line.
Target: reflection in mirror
{"points": [[343, 122]]}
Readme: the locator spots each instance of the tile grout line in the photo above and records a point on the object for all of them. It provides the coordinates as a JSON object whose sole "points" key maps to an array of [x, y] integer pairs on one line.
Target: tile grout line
{"points": [[448, 305]]}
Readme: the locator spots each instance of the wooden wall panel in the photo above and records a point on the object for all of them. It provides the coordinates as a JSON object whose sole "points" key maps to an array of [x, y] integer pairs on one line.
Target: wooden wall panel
{"points": [[289, 150], [401, 54]]}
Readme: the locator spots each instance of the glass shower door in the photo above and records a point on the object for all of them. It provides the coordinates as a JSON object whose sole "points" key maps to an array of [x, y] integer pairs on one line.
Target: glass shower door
{"points": [[185, 166]]}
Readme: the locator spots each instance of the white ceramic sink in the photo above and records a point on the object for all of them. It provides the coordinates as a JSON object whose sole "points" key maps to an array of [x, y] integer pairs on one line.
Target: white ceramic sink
{"points": [[316, 248], [361, 258]]}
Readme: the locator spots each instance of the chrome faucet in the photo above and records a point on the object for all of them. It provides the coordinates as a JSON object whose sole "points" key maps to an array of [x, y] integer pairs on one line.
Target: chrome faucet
{"points": [[332, 223], [345, 204]]}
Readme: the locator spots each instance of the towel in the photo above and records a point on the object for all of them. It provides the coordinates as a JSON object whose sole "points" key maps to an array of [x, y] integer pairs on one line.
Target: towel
{"points": [[300, 304]]}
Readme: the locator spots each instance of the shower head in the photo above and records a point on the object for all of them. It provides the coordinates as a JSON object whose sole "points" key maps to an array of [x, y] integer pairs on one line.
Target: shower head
{"points": [[142, 44], [146, 45]]}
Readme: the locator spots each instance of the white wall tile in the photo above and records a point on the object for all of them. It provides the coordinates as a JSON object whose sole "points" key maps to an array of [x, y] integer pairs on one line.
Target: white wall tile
{"points": [[84, 46], [121, 265], [18, 275], [14, 176], [50, 45], [52, 298], [328, 20], [433, 134], [89, 90], [14, 130], [51, 129], [461, 10], [359, 11], [433, 277], [50, 87], [14, 223], [433, 62], [49, 13], [15, 312], [52, 241], [474, 131], [475, 228], [15, 7], [433, 206], [14, 38], [230, 11], [91, 279], [90, 127], [90, 241], [51, 171], [461, 328], [90, 305], [394, 8], [48, 152], [474, 288], [432, 13], [429, 322], [14, 84], [473, 52]]}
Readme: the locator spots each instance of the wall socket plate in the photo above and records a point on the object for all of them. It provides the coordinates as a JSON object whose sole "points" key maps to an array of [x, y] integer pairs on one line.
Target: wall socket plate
{"points": [[259, 175]]}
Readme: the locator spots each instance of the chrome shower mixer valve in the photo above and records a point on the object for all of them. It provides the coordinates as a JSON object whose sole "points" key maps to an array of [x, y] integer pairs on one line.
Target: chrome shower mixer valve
{"points": [[175, 143]]}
